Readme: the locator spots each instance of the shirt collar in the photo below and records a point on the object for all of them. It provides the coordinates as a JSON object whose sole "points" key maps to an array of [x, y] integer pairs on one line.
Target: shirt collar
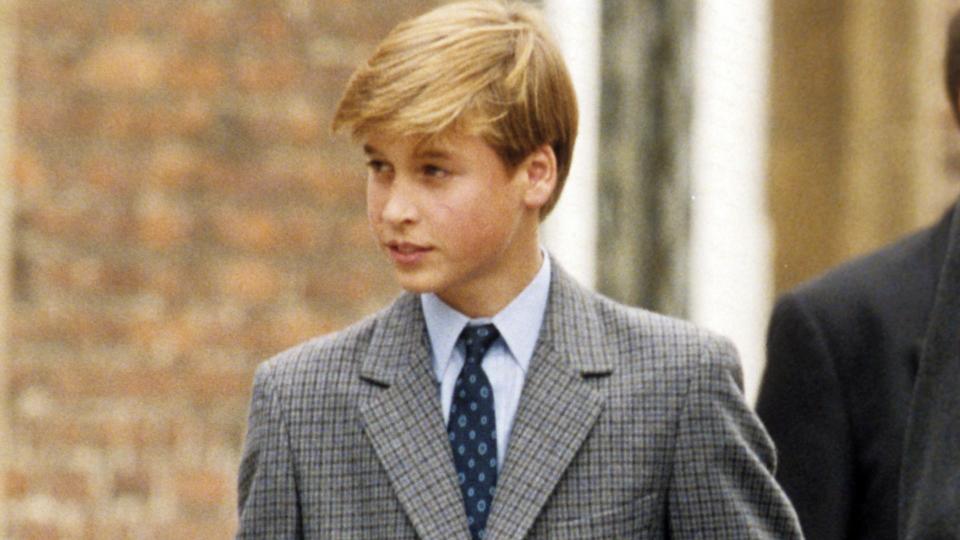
{"points": [[519, 323]]}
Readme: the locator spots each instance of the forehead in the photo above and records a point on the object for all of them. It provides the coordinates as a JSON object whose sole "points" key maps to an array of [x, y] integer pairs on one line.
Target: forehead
{"points": [[438, 146]]}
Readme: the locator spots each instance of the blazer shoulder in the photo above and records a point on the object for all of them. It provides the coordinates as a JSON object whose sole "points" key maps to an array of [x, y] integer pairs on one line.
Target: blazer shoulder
{"points": [[901, 270], [886, 292], [635, 331], [331, 355]]}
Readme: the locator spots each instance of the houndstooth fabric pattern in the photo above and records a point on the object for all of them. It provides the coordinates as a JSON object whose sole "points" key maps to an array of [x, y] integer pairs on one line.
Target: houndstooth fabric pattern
{"points": [[630, 425]]}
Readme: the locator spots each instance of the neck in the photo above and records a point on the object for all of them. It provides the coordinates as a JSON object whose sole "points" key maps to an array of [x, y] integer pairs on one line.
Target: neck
{"points": [[488, 299]]}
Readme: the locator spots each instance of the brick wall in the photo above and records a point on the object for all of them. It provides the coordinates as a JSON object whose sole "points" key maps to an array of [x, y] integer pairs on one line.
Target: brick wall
{"points": [[181, 214]]}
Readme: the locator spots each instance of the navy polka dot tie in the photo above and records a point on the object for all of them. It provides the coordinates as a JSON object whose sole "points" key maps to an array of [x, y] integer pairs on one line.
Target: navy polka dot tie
{"points": [[472, 429]]}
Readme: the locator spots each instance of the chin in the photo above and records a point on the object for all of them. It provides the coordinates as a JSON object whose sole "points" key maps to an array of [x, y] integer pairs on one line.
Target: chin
{"points": [[416, 284]]}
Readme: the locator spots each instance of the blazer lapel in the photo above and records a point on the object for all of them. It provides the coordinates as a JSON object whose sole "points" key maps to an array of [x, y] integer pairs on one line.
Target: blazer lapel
{"points": [[403, 421], [558, 408], [929, 485]]}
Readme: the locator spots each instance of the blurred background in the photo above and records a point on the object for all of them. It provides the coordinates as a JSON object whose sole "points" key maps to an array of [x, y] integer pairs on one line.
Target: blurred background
{"points": [[173, 209]]}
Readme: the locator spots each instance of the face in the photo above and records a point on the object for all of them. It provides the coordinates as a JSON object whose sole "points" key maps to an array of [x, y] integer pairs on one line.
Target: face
{"points": [[453, 219]]}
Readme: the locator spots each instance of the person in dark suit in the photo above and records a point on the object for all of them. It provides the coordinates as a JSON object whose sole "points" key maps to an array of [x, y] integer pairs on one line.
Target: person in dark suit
{"points": [[495, 398], [930, 473], [843, 353]]}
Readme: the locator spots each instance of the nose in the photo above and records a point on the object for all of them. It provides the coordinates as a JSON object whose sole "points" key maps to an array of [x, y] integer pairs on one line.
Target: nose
{"points": [[399, 206]]}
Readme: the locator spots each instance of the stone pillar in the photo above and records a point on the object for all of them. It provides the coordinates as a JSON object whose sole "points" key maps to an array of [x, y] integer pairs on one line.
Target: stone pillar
{"points": [[643, 160]]}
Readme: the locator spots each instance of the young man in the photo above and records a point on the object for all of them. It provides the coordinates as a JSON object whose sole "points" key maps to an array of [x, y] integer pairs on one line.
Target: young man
{"points": [[496, 398]]}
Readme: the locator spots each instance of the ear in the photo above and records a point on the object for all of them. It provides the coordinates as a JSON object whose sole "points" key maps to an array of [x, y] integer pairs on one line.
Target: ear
{"points": [[540, 171]]}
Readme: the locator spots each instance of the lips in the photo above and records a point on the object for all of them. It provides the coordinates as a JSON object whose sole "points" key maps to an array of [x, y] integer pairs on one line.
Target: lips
{"points": [[407, 253]]}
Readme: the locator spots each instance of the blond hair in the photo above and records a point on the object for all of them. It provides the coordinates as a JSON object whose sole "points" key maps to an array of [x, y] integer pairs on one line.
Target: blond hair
{"points": [[485, 68]]}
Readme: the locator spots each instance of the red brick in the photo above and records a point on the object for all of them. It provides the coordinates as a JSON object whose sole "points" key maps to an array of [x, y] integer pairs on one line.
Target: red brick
{"points": [[16, 484], [251, 230], [75, 325], [124, 64], [102, 527], [29, 175], [217, 386], [337, 186], [173, 165], [354, 233], [202, 73], [296, 325], [42, 17], [202, 489], [90, 274], [104, 171], [218, 175], [131, 483], [211, 329], [162, 224], [169, 280], [192, 117], [249, 280], [39, 113], [302, 118], [120, 120], [124, 19], [32, 530], [70, 486], [267, 74], [204, 23], [272, 27], [209, 529], [102, 223], [303, 232]]}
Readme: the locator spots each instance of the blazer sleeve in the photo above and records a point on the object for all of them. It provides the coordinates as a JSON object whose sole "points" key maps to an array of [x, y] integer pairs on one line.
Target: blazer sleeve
{"points": [[722, 484], [268, 500], [802, 406]]}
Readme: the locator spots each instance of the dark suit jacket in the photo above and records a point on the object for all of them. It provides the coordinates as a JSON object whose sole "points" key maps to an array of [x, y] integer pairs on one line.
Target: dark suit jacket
{"points": [[842, 354], [930, 481], [630, 425]]}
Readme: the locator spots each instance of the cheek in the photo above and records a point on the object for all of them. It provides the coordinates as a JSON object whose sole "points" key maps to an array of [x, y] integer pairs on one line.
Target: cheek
{"points": [[374, 204], [476, 228]]}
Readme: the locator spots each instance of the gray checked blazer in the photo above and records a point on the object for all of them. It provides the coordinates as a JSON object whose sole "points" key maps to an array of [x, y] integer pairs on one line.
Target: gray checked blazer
{"points": [[630, 425]]}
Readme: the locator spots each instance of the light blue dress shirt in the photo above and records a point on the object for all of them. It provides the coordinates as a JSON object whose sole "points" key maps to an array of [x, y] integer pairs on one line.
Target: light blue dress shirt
{"points": [[507, 359]]}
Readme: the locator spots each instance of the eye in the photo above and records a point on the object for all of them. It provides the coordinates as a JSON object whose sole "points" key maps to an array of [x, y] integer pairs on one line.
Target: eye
{"points": [[376, 166], [433, 171]]}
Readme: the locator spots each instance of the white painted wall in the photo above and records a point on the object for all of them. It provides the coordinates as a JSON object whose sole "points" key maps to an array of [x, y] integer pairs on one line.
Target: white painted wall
{"points": [[570, 232], [731, 278]]}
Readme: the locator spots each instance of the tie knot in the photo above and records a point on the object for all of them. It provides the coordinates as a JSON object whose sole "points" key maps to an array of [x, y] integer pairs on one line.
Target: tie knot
{"points": [[478, 339]]}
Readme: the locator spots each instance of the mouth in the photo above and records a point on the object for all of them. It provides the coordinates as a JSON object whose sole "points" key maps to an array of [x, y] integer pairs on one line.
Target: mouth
{"points": [[407, 253]]}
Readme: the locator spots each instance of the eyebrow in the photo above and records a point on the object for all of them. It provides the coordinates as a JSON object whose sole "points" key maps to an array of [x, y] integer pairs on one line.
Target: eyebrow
{"points": [[426, 153], [433, 153]]}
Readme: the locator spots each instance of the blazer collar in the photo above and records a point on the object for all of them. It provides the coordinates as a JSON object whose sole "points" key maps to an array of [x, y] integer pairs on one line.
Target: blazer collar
{"points": [[404, 423], [572, 326], [928, 481], [558, 409], [399, 336]]}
